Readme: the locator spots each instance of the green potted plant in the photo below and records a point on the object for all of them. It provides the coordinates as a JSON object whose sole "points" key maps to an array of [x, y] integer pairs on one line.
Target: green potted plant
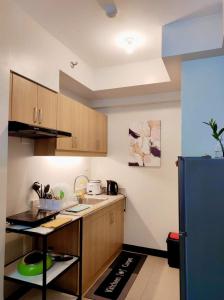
{"points": [[217, 134]]}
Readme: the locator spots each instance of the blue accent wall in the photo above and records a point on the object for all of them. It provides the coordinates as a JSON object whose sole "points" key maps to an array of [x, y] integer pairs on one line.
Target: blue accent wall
{"points": [[202, 98], [190, 35]]}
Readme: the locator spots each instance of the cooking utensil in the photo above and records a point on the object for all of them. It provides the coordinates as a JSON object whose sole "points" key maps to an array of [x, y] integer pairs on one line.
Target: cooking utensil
{"points": [[53, 195], [41, 190], [61, 257], [49, 196], [46, 190], [36, 188]]}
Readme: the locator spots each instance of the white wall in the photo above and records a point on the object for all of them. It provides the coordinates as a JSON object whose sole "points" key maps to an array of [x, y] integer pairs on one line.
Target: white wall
{"points": [[37, 54], [75, 96], [24, 169], [136, 100], [152, 206], [139, 73]]}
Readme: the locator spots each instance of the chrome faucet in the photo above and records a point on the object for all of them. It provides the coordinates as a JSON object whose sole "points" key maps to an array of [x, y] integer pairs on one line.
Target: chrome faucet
{"points": [[76, 180]]}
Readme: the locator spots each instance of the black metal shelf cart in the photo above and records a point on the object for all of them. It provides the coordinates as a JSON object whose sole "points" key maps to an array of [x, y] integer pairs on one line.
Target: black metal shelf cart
{"points": [[45, 280]]}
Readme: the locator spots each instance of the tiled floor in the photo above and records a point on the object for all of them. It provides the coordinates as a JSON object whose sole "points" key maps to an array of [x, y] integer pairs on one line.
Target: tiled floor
{"points": [[156, 281], [51, 295]]}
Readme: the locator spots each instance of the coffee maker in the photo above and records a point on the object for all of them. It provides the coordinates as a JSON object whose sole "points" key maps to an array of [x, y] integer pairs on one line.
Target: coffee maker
{"points": [[112, 187]]}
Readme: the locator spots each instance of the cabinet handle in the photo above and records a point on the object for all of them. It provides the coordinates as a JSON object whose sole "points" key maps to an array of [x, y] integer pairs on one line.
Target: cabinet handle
{"points": [[35, 114], [40, 115]]}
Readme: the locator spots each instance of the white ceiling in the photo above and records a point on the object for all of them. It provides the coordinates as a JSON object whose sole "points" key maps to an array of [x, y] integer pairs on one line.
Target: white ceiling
{"points": [[82, 25]]}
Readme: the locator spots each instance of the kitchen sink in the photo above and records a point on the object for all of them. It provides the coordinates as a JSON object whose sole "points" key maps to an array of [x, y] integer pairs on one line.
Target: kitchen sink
{"points": [[92, 200]]}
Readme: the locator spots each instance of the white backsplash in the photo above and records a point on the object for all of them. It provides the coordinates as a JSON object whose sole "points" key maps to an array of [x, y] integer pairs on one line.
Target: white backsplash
{"points": [[24, 169]]}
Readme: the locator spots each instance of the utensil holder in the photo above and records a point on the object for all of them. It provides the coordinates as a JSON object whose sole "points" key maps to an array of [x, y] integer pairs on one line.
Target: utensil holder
{"points": [[51, 204]]}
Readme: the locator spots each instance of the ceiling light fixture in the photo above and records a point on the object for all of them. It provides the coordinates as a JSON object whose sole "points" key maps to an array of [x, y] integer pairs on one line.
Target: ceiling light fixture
{"points": [[111, 10], [129, 41], [109, 7]]}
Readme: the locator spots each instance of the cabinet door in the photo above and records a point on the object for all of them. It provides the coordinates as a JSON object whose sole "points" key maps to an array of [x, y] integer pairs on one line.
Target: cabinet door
{"points": [[47, 108], [95, 251], [101, 132], [88, 127], [65, 121], [116, 228], [102, 240], [80, 127], [92, 130], [24, 100], [97, 124]]}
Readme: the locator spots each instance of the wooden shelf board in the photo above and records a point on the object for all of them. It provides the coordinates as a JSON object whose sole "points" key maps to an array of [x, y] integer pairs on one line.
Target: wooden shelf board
{"points": [[58, 267]]}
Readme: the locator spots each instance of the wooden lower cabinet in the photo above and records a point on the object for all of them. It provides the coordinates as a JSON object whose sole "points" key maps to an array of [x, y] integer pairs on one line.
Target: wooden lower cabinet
{"points": [[103, 233], [102, 240]]}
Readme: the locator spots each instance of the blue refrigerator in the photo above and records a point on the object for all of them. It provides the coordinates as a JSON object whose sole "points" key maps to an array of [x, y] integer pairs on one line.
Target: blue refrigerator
{"points": [[201, 222]]}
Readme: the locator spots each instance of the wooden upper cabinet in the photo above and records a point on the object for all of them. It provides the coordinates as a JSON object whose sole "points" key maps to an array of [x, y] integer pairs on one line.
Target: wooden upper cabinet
{"points": [[32, 103], [101, 133], [80, 127], [97, 131], [47, 108], [65, 121], [35, 105], [92, 130], [23, 100], [88, 128]]}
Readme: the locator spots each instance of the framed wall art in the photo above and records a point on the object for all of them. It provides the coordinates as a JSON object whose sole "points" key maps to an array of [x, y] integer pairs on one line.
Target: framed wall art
{"points": [[145, 144]]}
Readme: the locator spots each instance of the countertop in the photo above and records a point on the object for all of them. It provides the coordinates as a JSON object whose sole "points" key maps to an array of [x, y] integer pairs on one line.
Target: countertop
{"points": [[95, 207]]}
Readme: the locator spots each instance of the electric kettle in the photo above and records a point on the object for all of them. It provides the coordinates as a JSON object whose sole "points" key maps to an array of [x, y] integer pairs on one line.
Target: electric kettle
{"points": [[112, 187]]}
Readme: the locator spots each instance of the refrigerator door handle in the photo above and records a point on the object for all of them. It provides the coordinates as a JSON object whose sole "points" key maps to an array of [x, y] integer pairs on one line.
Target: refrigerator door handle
{"points": [[183, 234]]}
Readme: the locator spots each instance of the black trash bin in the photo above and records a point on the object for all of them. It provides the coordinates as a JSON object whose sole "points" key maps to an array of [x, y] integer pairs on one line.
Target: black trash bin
{"points": [[173, 249]]}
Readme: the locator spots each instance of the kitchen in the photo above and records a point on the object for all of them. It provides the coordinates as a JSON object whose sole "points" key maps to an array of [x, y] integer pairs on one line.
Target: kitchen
{"points": [[151, 211]]}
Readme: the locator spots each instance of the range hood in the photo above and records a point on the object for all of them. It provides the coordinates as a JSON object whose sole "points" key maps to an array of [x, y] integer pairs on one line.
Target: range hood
{"points": [[34, 132]]}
